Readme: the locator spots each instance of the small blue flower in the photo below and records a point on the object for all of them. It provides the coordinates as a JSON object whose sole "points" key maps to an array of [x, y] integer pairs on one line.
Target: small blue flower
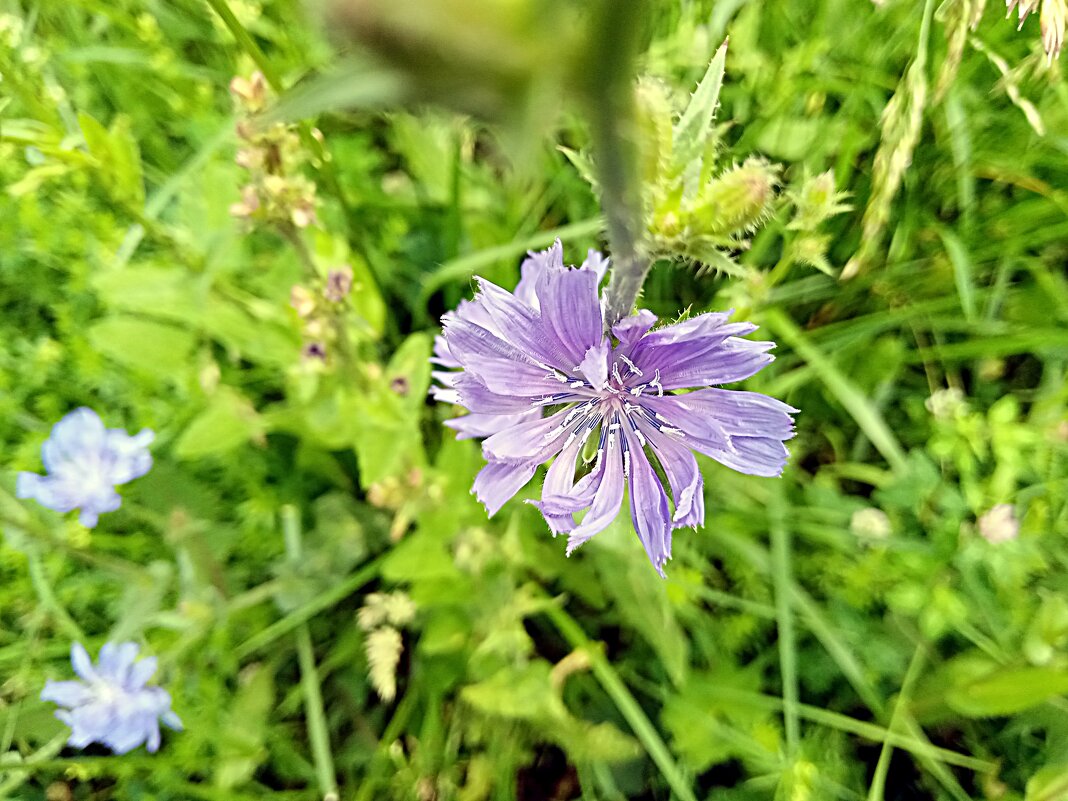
{"points": [[112, 705], [85, 462]]}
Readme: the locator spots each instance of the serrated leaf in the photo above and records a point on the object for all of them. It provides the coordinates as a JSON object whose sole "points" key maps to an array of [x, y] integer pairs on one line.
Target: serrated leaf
{"points": [[695, 125], [596, 742], [518, 693], [581, 163], [711, 259], [1007, 691], [242, 748]]}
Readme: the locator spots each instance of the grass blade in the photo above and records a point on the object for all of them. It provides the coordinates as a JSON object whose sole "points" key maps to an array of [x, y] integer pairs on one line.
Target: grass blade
{"points": [[865, 414]]}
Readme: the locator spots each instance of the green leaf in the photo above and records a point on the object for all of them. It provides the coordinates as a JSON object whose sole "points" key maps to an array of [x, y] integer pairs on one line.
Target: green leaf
{"points": [[596, 742], [229, 421], [963, 270], [156, 348], [117, 156], [1049, 784], [408, 372], [96, 137], [695, 126], [149, 289], [241, 749], [1007, 691], [519, 693]]}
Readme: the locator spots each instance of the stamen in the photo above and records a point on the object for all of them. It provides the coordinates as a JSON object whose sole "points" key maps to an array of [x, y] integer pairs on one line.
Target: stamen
{"points": [[631, 365], [616, 375], [582, 407], [577, 384], [655, 383]]}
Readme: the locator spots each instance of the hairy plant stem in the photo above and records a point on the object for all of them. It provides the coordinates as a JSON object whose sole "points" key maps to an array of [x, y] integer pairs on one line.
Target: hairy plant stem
{"points": [[608, 86]]}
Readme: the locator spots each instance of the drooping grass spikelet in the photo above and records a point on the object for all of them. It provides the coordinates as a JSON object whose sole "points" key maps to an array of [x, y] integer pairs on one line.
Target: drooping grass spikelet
{"points": [[958, 18], [901, 123]]}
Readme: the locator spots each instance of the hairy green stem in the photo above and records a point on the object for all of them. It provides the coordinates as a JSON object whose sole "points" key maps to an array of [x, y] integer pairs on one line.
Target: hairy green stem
{"points": [[608, 86]]}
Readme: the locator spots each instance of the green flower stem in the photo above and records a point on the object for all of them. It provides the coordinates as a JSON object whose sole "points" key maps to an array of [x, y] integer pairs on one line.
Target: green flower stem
{"points": [[608, 85], [24, 770], [248, 44], [625, 702], [309, 676], [380, 763], [782, 578], [876, 792], [303, 613]]}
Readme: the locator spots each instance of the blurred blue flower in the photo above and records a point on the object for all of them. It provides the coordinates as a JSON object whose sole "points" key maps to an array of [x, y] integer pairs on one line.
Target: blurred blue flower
{"points": [[543, 348], [112, 705], [85, 461]]}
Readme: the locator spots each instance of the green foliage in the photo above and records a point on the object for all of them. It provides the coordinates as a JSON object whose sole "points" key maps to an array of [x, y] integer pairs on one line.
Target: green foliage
{"points": [[332, 608]]}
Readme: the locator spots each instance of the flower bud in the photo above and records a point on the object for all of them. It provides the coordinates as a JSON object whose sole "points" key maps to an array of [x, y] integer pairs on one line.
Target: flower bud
{"points": [[815, 201], [314, 351], [301, 300], [251, 93], [738, 200]]}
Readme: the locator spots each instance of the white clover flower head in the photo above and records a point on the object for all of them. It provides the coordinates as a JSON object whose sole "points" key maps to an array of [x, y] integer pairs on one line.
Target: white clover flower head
{"points": [[870, 524], [945, 403], [999, 524]]}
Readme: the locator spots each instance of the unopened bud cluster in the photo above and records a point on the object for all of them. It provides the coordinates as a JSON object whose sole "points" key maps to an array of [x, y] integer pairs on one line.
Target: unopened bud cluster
{"points": [[815, 201], [317, 309], [695, 208], [277, 192]]}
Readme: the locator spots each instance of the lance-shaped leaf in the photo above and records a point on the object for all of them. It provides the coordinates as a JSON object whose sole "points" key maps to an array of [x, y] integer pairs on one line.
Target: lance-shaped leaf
{"points": [[695, 125]]}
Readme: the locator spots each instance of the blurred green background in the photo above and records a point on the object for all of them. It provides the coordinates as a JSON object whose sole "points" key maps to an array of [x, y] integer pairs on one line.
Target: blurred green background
{"points": [[334, 614]]}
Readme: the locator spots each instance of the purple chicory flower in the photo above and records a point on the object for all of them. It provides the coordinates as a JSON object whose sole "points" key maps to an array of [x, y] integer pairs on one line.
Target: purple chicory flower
{"points": [[111, 704], [540, 378], [85, 462]]}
